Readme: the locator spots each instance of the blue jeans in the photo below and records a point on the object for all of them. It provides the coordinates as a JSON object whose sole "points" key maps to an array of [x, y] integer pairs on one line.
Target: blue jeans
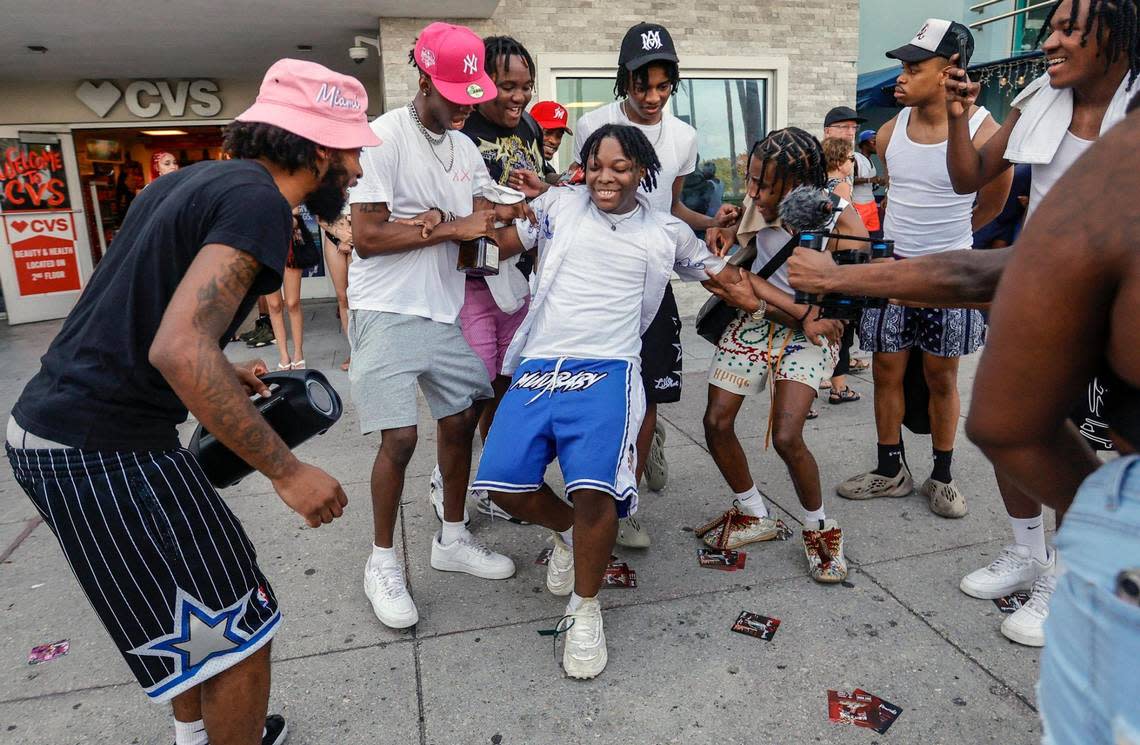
{"points": [[1089, 692]]}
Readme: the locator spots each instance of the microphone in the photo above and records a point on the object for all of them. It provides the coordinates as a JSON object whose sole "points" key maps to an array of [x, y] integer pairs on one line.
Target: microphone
{"points": [[807, 208]]}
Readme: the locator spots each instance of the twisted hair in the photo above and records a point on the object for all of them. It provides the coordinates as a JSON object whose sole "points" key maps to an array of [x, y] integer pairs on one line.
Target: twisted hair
{"points": [[798, 157], [252, 140], [641, 75], [1117, 34], [498, 53], [634, 144]]}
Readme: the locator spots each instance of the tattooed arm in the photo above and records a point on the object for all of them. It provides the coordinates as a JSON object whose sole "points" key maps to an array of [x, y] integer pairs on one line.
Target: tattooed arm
{"points": [[185, 350]]}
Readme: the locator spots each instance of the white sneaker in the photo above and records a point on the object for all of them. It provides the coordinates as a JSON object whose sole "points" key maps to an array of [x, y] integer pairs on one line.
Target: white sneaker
{"points": [[1014, 569], [585, 655], [560, 568], [435, 496], [631, 534], [469, 556], [485, 505], [1027, 624], [386, 589]]}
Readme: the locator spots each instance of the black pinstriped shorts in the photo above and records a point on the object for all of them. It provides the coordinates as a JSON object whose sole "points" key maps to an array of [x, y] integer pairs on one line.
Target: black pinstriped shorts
{"points": [[163, 560]]}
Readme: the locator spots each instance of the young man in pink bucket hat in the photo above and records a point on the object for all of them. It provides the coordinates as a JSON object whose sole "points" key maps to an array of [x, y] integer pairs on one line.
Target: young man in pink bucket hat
{"points": [[93, 441]]}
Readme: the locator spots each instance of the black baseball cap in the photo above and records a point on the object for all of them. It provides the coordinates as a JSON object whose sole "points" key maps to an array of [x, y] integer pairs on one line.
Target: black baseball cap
{"points": [[937, 38], [842, 114], [645, 43]]}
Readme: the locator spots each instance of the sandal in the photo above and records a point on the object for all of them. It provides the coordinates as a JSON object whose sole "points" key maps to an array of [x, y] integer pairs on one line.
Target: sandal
{"points": [[812, 413], [844, 396], [298, 365], [859, 365]]}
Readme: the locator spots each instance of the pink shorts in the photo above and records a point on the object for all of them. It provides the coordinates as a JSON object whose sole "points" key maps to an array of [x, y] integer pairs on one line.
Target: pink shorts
{"points": [[487, 329]]}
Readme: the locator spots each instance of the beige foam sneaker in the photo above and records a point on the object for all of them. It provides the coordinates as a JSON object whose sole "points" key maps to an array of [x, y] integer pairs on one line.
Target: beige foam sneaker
{"points": [[871, 485], [632, 534], [734, 528], [1027, 624], [388, 593], [656, 469], [560, 568], [585, 655], [469, 556], [945, 499], [824, 549]]}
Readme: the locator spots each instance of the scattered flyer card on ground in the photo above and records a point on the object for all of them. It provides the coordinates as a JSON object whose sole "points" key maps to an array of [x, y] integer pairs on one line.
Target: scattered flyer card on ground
{"points": [[854, 707], [48, 652], [783, 532], [887, 712], [1010, 603], [619, 575], [756, 625], [544, 556], [726, 560]]}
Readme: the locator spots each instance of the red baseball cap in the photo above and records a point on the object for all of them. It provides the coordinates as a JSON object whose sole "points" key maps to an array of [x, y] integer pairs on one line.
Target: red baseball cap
{"points": [[452, 56], [551, 115], [313, 102]]}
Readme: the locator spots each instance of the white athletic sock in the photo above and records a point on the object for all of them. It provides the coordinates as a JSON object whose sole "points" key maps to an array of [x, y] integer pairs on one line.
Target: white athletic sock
{"points": [[383, 556], [752, 503], [1030, 532], [567, 536], [451, 532], [190, 733], [575, 603], [813, 518]]}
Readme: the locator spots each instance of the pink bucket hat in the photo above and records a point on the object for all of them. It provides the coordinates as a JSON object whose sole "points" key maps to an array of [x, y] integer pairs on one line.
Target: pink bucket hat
{"points": [[452, 56], [313, 102]]}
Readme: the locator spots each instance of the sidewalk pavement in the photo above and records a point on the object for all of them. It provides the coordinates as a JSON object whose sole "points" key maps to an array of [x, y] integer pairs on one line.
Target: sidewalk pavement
{"points": [[475, 671]]}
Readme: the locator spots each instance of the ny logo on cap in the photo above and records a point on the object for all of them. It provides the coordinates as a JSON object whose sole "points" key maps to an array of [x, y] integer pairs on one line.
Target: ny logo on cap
{"points": [[427, 57], [651, 40], [471, 64], [560, 113]]}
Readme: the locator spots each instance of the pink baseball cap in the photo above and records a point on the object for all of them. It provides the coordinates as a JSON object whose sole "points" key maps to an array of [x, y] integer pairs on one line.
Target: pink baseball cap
{"points": [[452, 56], [313, 102]]}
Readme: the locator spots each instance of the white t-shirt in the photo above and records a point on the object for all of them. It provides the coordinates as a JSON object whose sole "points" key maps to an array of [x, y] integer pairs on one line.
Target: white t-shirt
{"points": [[1046, 174], [674, 141], [864, 168], [403, 173]]}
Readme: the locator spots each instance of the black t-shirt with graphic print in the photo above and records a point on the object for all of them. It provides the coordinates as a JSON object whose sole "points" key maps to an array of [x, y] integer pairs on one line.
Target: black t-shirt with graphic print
{"points": [[96, 388], [504, 149]]}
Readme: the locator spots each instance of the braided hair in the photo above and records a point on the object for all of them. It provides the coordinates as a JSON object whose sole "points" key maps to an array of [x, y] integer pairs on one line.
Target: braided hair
{"points": [[641, 75], [1117, 34], [634, 144], [498, 53], [798, 157]]}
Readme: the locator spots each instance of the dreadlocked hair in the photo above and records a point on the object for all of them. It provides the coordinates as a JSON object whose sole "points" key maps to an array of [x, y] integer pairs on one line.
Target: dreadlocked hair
{"points": [[1117, 34], [798, 157], [498, 53], [634, 144], [252, 140], [641, 76]]}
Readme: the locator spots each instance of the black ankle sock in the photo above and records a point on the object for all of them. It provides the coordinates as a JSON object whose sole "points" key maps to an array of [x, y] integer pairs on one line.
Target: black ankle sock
{"points": [[263, 319], [941, 470], [890, 459]]}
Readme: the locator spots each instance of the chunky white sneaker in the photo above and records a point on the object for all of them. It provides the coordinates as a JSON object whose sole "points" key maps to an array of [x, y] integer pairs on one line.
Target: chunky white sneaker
{"points": [[435, 496], [823, 547], [386, 589], [631, 534], [469, 556], [871, 485], [485, 505], [585, 655], [1027, 624], [1014, 569], [560, 568], [656, 469]]}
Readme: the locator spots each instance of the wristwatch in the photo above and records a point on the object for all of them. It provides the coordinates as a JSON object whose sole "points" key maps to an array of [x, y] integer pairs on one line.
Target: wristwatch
{"points": [[758, 314]]}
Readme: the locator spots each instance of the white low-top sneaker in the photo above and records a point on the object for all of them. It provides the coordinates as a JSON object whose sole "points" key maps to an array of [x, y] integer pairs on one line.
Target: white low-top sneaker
{"points": [[560, 568], [386, 589], [1027, 624], [585, 655], [435, 496], [1014, 569], [483, 502], [469, 556]]}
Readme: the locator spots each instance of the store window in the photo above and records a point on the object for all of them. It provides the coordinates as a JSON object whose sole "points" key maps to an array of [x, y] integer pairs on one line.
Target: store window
{"points": [[731, 105], [1027, 26]]}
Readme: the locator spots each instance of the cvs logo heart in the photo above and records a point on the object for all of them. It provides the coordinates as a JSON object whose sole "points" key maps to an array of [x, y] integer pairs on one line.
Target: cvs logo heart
{"points": [[99, 98], [19, 225]]}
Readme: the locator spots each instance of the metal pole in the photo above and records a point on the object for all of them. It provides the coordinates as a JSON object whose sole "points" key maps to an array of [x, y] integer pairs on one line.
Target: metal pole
{"points": [[1012, 13], [985, 4]]}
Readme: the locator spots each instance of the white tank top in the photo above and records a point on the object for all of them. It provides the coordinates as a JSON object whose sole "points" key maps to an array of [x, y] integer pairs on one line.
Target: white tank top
{"points": [[924, 215], [1047, 174]]}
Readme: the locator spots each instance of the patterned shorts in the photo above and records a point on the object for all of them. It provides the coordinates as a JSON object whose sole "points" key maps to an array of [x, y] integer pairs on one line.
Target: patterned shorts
{"points": [[749, 349], [942, 332]]}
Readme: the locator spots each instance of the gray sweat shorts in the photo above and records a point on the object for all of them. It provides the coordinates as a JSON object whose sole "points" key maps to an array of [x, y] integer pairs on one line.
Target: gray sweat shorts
{"points": [[392, 352]]}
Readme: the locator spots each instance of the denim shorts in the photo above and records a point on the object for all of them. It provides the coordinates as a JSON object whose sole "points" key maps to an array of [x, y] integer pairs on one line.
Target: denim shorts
{"points": [[1089, 692]]}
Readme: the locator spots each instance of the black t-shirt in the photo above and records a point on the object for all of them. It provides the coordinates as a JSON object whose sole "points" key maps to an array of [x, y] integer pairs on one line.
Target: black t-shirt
{"points": [[504, 149], [96, 389]]}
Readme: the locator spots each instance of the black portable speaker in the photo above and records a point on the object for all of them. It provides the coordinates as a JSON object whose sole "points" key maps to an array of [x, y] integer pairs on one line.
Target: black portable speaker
{"points": [[303, 404]]}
